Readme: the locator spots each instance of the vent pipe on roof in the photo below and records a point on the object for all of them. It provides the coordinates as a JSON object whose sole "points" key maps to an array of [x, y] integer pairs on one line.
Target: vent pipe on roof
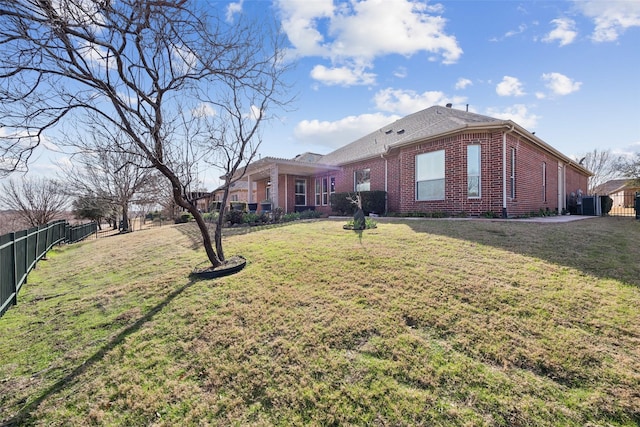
{"points": [[449, 105], [467, 108]]}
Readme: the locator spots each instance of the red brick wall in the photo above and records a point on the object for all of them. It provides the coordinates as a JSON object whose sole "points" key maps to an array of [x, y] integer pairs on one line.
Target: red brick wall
{"points": [[529, 195]]}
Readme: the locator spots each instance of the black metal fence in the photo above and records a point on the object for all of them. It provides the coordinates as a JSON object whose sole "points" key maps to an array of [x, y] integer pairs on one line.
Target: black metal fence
{"points": [[21, 250]]}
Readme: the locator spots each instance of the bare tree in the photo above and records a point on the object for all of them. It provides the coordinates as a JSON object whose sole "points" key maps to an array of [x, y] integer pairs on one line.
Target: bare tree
{"points": [[629, 167], [603, 166], [37, 201], [135, 66], [112, 177]]}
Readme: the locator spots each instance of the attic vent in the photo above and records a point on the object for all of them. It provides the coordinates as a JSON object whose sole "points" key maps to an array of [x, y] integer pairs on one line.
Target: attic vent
{"points": [[400, 132], [387, 132]]}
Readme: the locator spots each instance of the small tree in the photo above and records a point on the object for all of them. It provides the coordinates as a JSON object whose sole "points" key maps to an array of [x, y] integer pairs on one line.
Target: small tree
{"points": [[37, 201], [92, 207]]}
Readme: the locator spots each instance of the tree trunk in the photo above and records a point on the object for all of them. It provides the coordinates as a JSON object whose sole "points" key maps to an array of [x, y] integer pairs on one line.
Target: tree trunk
{"points": [[125, 218], [178, 198], [218, 233]]}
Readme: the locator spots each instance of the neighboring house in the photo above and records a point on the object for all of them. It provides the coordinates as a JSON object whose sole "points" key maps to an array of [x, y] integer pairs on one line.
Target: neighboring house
{"points": [[621, 191], [237, 192], [436, 160]]}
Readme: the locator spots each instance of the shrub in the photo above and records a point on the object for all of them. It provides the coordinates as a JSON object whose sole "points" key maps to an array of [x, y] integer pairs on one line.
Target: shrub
{"points": [[250, 218], [368, 224], [291, 216], [210, 216], [309, 214], [606, 204], [277, 214], [234, 217], [372, 201], [184, 218]]}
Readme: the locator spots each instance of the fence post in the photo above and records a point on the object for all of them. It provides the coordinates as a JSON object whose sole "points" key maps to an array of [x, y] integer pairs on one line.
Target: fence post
{"points": [[15, 268]]}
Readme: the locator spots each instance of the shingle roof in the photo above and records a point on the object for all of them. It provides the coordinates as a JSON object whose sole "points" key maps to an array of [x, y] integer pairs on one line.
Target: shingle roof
{"points": [[432, 121], [614, 185]]}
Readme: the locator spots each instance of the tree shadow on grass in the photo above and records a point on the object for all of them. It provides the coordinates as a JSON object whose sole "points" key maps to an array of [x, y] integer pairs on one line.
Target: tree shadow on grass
{"points": [[192, 231], [24, 416]]}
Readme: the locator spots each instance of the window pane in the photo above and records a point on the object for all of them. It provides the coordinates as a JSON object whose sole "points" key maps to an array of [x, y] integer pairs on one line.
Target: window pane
{"points": [[430, 166], [431, 190], [362, 180], [473, 160], [473, 187]]}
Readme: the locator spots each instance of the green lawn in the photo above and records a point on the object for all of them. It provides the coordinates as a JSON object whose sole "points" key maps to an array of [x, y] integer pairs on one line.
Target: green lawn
{"points": [[429, 322]]}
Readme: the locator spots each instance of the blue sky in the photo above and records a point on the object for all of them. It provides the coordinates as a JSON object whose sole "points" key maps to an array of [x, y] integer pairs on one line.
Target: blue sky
{"points": [[568, 70]]}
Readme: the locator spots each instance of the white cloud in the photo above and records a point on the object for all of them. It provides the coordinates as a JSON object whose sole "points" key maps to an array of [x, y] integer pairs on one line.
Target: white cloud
{"points": [[343, 76], [559, 84], [517, 113], [509, 86], [400, 72], [521, 29], [233, 9], [408, 101], [204, 110], [611, 18], [565, 32], [340, 132], [463, 83], [354, 34]]}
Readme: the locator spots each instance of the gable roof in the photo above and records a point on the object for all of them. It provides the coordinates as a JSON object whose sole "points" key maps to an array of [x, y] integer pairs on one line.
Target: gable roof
{"points": [[615, 185], [424, 124]]}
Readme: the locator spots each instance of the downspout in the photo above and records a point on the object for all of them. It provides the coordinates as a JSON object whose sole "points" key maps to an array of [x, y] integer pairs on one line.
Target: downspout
{"points": [[504, 171], [386, 184]]}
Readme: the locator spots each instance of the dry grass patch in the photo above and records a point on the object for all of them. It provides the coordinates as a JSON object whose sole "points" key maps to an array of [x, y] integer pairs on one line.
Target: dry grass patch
{"points": [[412, 323]]}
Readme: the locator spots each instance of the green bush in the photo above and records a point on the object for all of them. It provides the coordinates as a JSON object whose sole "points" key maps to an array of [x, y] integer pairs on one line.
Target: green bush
{"points": [[184, 218], [210, 216], [238, 206], [234, 217], [250, 218], [607, 204], [309, 214], [292, 216], [368, 224], [372, 201]]}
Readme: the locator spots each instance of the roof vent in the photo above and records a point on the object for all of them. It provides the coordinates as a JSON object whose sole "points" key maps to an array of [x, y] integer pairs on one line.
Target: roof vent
{"points": [[387, 132], [401, 131], [449, 105]]}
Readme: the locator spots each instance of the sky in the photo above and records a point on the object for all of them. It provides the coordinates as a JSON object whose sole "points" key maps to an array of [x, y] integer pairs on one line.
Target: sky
{"points": [[567, 70]]}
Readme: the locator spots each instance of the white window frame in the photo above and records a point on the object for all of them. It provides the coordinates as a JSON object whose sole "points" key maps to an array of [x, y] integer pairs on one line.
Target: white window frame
{"points": [[318, 191], [477, 163], [434, 176], [364, 185], [296, 194]]}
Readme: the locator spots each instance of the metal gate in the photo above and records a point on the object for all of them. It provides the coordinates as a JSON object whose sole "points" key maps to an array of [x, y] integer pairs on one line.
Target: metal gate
{"points": [[625, 203]]}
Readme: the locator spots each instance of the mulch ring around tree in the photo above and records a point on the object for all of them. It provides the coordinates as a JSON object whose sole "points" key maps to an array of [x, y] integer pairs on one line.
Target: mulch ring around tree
{"points": [[230, 266]]}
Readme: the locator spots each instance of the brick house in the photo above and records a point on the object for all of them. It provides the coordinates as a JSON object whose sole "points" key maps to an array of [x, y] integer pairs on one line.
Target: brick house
{"points": [[436, 160]]}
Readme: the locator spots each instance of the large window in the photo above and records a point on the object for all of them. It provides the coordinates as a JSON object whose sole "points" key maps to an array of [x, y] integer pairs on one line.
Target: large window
{"points": [[301, 192], [362, 180], [430, 176], [512, 176], [473, 171]]}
